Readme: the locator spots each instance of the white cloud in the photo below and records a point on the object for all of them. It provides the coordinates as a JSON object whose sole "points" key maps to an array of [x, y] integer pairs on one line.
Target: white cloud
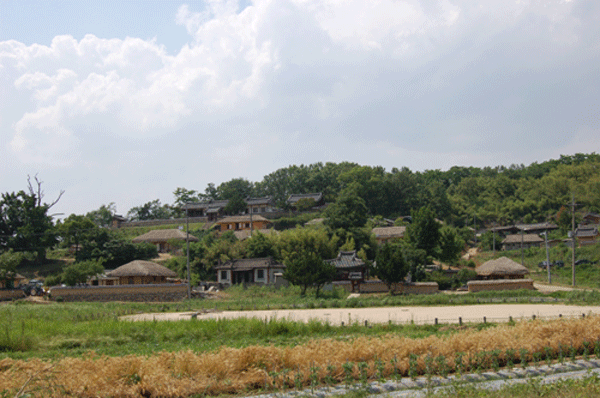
{"points": [[403, 83]]}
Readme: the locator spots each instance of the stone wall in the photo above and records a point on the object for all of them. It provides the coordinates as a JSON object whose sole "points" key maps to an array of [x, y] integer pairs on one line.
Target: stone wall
{"points": [[9, 294], [401, 288], [140, 293], [500, 284]]}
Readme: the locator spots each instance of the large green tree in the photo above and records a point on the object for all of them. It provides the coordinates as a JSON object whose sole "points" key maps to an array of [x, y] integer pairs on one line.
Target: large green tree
{"points": [[424, 231], [103, 215], [25, 225], [152, 210], [391, 267], [307, 269], [348, 211]]}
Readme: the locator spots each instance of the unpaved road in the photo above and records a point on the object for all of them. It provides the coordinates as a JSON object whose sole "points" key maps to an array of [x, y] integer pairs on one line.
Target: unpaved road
{"points": [[419, 315]]}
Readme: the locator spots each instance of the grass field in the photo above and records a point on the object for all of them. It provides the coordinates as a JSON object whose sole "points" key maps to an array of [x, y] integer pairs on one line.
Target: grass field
{"points": [[310, 355], [82, 348]]}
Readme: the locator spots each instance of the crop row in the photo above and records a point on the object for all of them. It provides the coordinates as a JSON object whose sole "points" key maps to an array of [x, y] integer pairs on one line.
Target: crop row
{"points": [[317, 362]]}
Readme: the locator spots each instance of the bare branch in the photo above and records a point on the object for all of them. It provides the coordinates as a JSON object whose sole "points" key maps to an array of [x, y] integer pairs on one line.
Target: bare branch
{"points": [[38, 193]]}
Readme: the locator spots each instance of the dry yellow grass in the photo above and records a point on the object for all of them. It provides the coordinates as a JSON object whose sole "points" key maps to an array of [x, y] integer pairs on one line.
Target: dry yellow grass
{"points": [[230, 370]]}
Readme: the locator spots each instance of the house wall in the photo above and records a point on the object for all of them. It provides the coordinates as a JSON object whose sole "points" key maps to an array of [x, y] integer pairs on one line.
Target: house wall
{"points": [[141, 280], [227, 279], [268, 276], [500, 284], [234, 226], [164, 292], [9, 294], [401, 288]]}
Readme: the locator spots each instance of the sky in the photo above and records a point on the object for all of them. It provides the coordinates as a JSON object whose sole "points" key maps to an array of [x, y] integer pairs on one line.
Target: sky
{"points": [[126, 101]]}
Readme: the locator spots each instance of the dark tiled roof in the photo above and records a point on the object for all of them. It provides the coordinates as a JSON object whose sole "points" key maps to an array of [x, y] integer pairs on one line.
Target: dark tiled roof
{"points": [[586, 232], [208, 204], [347, 260], [267, 200], [537, 227], [246, 264], [297, 196]]}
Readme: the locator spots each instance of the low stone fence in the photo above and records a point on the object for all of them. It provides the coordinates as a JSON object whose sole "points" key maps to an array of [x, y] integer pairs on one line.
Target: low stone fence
{"points": [[140, 293], [400, 288], [500, 284], [10, 294]]}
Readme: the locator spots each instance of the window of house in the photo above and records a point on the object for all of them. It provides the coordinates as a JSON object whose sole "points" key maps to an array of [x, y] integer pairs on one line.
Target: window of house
{"points": [[223, 275], [260, 274], [229, 226], [255, 210]]}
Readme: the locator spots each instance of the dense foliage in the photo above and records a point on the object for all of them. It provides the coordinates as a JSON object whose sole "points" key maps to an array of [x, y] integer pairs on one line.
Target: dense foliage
{"points": [[461, 195]]}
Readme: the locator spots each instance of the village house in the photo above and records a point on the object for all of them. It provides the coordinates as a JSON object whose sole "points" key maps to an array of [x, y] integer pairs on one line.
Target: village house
{"points": [[212, 209], [246, 222], [317, 199], [249, 271], [260, 205], [137, 272], [514, 242], [163, 238], [501, 268], [388, 234], [12, 281]]}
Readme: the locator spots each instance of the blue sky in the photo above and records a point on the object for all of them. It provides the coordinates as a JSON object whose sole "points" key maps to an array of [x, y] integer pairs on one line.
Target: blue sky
{"points": [[126, 101]]}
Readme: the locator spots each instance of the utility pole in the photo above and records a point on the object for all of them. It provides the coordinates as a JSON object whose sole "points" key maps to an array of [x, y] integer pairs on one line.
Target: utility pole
{"points": [[547, 258], [522, 254], [187, 243], [574, 241]]}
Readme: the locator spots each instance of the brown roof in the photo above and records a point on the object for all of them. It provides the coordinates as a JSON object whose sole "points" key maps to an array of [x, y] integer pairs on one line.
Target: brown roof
{"points": [[163, 235], [142, 268], [389, 232], [501, 266], [527, 238], [228, 220]]}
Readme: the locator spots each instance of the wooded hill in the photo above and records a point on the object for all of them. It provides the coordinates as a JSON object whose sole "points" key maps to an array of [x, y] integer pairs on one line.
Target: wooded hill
{"points": [[461, 196]]}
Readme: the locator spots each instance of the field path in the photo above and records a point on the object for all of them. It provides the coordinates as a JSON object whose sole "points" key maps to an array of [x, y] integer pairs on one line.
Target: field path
{"points": [[418, 315]]}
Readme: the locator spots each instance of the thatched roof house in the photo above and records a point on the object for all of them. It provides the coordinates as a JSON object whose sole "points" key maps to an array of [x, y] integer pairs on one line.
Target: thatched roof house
{"points": [[385, 234], [501, 268], [161, 238], [513, 242], [141, 272]]}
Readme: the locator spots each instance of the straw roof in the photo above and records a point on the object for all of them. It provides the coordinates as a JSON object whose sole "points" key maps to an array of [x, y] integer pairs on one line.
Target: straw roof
{"points": [[389, 232], [527, 238], [501, 266], [142, 268], [236, 219], [163, 235]]}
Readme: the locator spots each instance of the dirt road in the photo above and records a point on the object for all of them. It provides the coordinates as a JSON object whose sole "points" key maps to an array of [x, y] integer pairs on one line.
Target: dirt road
{"points": [[419, 315]]}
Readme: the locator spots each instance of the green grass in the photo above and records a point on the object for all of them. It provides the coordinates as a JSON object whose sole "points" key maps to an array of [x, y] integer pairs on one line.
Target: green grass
{"points": [[586, 276], [588, 387], [71, 329]]}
